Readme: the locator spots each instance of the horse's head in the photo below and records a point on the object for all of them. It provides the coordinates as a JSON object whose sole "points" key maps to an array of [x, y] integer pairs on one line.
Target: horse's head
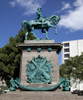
{"points": [[24, 23], [57, 18], [54, 19]]}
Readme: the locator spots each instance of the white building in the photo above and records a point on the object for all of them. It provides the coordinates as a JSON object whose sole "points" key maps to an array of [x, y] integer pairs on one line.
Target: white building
{"points": [[71, 49]]}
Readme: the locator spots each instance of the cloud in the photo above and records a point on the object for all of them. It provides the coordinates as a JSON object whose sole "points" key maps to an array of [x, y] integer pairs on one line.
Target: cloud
{"points": [[65, 6], [30, 6], [73, 20], [12, 3], [78, 3]]}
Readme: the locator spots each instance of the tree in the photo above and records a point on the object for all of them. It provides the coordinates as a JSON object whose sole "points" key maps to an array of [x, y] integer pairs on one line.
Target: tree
{"points": [[10, 56], [73, 68]]}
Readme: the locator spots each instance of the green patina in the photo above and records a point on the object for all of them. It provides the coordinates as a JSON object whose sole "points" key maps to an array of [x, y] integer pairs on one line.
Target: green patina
{"points": [[65, 84], [43, 23], [13, 85], [39, 49], [16, 84], [49, 49], [28, 49], [39, 70]]}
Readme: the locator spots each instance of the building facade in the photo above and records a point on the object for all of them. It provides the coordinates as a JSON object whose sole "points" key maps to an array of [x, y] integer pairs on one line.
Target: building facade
{"points": [[71, 49]]}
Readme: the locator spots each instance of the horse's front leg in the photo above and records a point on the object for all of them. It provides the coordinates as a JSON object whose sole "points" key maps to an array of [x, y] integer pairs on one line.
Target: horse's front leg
{"points": [[46, 34], [55, 29]]}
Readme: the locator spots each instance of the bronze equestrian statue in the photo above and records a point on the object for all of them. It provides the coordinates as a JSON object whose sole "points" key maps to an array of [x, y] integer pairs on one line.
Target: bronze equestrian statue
{"points": [[43, 23]]}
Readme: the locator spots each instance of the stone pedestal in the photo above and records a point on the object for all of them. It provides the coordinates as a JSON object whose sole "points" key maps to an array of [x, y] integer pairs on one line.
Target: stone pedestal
{"points": [[50, 54]]}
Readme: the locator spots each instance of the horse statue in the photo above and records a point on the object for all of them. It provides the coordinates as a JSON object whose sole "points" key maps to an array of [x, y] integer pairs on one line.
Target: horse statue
{"points": [[42, 23]]}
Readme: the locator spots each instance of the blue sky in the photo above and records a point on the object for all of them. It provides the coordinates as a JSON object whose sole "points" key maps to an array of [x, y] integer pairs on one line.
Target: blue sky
{"points": [[13, 12]]}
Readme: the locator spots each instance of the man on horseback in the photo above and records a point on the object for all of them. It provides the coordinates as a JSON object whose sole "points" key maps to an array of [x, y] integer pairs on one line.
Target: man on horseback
{"points": [[39, 13], [43, 23], [40, 18]]}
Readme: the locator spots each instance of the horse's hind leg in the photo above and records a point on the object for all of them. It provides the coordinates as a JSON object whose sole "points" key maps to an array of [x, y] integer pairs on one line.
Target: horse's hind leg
{"points": [[26, 35], [32, 31]]}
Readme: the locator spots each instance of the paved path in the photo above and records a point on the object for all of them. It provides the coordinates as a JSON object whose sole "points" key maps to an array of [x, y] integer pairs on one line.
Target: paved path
{"points": [[40, 95]]}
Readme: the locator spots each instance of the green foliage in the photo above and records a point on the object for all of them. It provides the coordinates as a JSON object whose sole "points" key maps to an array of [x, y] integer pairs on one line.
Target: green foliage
{"points": [[73, 68], [4, 58], [30, 36], [10, 56]]}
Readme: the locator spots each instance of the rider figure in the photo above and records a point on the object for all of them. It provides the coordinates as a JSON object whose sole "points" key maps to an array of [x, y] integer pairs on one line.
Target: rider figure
{"points": [[39, 13], [40, 18]]}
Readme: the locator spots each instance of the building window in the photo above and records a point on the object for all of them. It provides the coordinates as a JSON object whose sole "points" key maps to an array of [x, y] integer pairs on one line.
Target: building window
{"points": [[65, 61], [66, 50], [66, 55], [66, 44]]}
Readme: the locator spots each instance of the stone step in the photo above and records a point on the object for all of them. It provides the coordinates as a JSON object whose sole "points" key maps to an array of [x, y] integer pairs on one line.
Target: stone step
{"points": [[40, 95]]}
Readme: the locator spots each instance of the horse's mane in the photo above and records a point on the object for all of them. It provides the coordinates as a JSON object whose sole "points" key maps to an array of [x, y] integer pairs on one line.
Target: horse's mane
{"points": [[50, 18]]}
